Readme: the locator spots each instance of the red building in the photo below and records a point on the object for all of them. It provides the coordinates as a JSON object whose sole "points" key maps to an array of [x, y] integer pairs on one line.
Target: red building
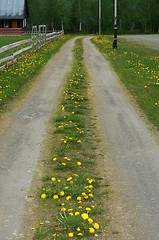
{"points": [[13, 16]]}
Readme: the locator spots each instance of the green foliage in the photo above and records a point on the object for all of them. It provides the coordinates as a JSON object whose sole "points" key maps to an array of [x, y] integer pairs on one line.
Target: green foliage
{"points": [[82, 15]]}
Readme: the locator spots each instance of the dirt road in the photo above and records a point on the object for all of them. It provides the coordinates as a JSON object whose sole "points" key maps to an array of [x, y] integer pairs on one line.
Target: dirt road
{"points": [[133, 164], [133, 151], [22, 140]]}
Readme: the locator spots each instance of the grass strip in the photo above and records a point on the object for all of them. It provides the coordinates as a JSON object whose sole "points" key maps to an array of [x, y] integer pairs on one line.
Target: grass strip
{"points": [[5, 40], [13, 78], [138, 68], [70, 197]]}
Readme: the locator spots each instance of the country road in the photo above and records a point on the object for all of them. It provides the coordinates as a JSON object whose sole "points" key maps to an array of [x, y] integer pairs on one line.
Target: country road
{"points": [[22, 141], [132, 148], [133, 151]]}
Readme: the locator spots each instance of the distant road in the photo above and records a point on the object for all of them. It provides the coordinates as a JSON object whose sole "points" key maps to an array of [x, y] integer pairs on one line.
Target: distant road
{"points": [[151, 40]]}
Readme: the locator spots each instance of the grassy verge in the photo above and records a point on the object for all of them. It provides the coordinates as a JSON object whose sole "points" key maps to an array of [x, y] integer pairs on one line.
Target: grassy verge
{"points": [[138, 68], [70, 195], [5, 40], [13, 78]]}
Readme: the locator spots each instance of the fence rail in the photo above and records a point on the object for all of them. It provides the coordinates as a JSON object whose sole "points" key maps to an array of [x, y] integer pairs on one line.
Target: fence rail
{"points": [[9, 53]]}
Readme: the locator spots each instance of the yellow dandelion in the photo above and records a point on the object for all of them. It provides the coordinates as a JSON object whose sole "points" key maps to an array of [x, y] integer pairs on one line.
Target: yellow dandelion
{"points": [[64, 164], [70, 235], [53, 179], [68, 198], [90, 220], [91, 195], [55, 196], [79, 163], [79, 198], [62, 193], [63, 209], [88, 209], [79, 234], [96, 225], [84, 216], [69, 179], [43, 196], [91, 230], [77, 213]]}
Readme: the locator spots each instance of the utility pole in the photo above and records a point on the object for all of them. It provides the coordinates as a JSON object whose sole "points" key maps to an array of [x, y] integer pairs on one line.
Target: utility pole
{"points": [[80, 24], [100, 16], [115, 43]]}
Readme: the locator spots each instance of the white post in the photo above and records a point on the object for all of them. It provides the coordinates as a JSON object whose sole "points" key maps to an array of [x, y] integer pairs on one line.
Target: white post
{"points": [[100, 16]]}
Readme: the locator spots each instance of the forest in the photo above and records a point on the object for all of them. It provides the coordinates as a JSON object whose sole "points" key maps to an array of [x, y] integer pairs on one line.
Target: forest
{"points": [[134, 16]]}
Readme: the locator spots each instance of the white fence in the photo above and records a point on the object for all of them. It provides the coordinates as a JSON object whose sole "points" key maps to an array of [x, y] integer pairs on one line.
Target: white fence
{"points": [[9, 54]]}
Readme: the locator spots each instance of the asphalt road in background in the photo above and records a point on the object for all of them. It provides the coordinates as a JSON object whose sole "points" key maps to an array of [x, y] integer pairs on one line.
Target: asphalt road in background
{"points": [[151, 41]]}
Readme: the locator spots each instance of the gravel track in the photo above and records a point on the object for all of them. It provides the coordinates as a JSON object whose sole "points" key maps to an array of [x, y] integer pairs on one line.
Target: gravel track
{"points": [[21, 141], [133, 151]]}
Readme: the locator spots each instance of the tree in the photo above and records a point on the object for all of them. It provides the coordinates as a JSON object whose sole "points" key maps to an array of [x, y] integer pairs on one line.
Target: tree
{"points": [[82, 15]]}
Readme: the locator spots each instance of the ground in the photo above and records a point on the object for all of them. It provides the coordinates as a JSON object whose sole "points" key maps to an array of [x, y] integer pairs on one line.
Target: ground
{"points": [[128, 157]]}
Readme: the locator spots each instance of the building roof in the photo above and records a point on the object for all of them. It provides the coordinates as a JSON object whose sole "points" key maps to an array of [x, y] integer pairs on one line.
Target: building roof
{"points": [[12, 9]]}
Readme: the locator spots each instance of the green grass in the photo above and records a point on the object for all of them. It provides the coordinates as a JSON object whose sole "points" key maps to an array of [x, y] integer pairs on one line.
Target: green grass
{"points": [[13, 78], [138, 68], [5, 40], [70, 196]]}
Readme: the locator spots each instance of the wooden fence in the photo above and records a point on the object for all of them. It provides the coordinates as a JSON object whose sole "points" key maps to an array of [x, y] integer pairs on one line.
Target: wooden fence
{"points": [[9, 54]]}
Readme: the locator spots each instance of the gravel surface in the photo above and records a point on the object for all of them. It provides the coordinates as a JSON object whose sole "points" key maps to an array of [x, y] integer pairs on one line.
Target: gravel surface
{"points": [[151, 41], [21, 142], [133, 151], [133, 164]]}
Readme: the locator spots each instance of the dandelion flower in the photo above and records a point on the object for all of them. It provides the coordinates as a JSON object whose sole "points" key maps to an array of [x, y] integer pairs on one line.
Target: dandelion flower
{"points": [[79, 198], [68, 198], [77, 213], [55, 196], [88, 209], [90, 220], [96, 225], [63, 209], [91, 230], [62, 193], [69, 179], [79, 234], [84, 216], [70, 235], [79, 163], [53, 179], [43, 196]]}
